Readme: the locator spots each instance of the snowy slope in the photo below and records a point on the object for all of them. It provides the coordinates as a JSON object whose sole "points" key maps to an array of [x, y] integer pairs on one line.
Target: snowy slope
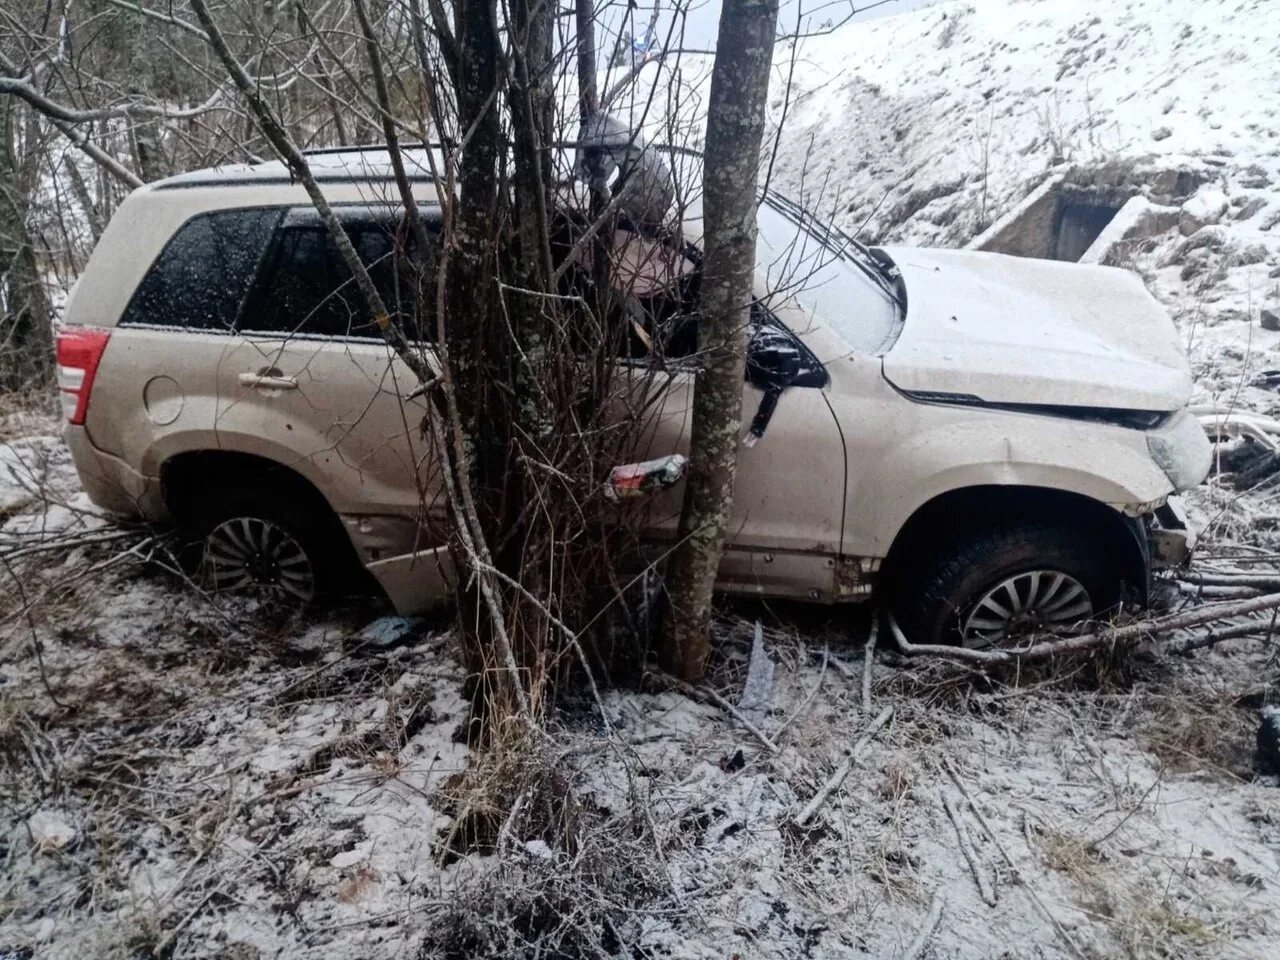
{"points": [[929, 125]]}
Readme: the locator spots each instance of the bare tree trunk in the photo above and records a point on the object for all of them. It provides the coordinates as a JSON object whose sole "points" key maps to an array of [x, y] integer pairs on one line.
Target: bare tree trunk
{"points": [[584, 22], [83, 197], [26, 326], [735, 128]]}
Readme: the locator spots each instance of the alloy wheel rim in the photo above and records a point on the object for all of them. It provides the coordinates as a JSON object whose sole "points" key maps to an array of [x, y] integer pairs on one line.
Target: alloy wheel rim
{"points": [[1026, 604], [246, 554]]}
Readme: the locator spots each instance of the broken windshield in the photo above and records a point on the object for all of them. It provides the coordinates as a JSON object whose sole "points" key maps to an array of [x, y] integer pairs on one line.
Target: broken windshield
{"points": [[831, 276]]}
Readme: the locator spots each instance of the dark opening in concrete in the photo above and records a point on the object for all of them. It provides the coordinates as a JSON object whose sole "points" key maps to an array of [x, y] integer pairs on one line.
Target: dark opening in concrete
{"points": [[1059, 220]]}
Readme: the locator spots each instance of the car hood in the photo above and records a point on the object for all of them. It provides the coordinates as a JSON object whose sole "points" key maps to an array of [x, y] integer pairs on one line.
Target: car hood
{"points": [[1021, 331]]}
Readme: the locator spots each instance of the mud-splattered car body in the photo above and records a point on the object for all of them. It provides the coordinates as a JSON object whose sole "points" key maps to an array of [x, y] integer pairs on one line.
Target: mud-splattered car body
{"points": [[903, 407]]}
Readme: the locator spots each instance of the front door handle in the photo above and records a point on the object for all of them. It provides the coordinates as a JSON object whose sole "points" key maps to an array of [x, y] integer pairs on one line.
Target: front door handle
{"points": [[268, 378]]}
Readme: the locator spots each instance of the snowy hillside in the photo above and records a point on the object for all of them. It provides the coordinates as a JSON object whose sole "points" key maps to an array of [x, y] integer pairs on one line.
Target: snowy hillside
{"points": [[927, 126]]}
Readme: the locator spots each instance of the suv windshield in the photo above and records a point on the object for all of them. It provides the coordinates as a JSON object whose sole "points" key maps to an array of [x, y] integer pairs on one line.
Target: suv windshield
{"points": [[855, 291]]}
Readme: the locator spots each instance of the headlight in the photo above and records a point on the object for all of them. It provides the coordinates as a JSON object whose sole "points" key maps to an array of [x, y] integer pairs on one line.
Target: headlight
{"points": [[1182, 451]]}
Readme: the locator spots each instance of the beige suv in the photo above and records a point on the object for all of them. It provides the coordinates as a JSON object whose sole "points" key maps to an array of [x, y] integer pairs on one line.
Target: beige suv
{"points": [[988, 443]]}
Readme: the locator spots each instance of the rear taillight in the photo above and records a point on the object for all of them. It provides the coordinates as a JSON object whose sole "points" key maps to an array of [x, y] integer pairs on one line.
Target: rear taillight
{"points": [[79, 353]]}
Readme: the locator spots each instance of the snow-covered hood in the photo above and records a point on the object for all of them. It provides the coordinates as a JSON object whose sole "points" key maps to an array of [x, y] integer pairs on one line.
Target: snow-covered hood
{"points": [[1015, 330]]}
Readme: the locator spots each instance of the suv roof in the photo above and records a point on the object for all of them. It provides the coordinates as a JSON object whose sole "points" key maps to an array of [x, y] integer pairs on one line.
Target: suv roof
{"points": [[329, 165]]}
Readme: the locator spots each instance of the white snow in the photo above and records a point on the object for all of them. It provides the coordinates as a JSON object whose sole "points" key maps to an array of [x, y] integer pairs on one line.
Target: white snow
{"points": [[925, 127], [1208, 206]]}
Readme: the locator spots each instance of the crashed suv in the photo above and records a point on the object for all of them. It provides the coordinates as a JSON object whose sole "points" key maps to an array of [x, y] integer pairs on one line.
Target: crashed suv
{"points": [[989, 445]]}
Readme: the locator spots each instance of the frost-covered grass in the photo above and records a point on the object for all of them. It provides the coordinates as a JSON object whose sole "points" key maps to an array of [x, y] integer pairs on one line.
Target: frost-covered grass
{"points": [[198, 775]]}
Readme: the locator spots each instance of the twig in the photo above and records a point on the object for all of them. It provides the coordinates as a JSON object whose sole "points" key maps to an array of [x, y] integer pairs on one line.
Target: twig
{"points": [[926, 932], [729, 708], [843, 668], [842, 771], [1015, 873], [970, 855], [509, 823], [162, 948], [801, 710], [70, 543], [868, 661]]}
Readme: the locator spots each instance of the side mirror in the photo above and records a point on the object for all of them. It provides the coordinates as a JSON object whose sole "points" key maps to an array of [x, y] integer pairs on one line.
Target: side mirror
{"points": [[777, 359], [771, 363]]}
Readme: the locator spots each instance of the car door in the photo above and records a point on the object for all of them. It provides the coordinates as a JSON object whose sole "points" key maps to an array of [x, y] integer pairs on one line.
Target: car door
{"points": [[785, 523], [308, 382]]}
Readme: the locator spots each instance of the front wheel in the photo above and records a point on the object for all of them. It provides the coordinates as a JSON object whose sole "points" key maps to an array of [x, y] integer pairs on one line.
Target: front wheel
{"points": [[998, 588]]}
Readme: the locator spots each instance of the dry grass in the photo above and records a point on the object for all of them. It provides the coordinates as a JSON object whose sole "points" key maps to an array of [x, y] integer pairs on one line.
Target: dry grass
{"points": [[28, 413], [562, 878], [1197, 732]]}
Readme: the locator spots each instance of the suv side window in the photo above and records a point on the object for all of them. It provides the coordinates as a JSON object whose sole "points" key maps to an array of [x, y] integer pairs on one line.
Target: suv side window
{"points": [[306, 289], [201, 275]]}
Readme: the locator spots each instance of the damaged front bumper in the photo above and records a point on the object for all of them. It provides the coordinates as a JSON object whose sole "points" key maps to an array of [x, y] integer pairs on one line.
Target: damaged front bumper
{"points": [[1170, 539]]}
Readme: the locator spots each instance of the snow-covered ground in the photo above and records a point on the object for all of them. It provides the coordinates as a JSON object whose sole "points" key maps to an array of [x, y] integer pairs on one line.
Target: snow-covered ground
{"points": [[191, 774], [187, 775]]}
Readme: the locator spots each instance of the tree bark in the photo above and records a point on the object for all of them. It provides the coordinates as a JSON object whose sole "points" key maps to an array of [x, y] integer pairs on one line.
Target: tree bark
{"points": [[26, 326], [735, 129], [584, 23]]}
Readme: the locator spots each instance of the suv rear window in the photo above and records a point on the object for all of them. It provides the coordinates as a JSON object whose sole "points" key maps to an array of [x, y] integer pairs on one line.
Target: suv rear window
{"points": [[203, 272], [305, 286]]}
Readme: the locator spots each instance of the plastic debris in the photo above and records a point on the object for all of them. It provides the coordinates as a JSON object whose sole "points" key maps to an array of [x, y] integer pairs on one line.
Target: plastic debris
{"points": [[757, 691], [632, 480], [49, 831], [388, 631]]}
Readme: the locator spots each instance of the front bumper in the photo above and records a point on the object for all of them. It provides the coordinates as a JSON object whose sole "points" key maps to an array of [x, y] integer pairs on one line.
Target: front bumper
{"points": [[1169, 536]]}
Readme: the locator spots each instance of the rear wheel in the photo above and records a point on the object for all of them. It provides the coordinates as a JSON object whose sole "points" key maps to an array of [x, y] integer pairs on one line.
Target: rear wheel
{"points": [[275, 544], [251, 553], [998, 588]]}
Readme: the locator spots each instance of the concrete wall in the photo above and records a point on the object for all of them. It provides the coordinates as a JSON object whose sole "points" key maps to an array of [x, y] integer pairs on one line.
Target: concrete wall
{"points": [[1058, 220]]}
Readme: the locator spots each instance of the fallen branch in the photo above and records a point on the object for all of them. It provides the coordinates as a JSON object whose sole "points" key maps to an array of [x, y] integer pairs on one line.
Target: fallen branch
{"points": [[1014, 872], [843, 668], [706, 693], [1212, 579], [842, 771], [1108, 637], [970, 855], [70, 543], [804, 704], [733, 711], [1215, 635], [1211, 591], [922, 939], [868, 661]]}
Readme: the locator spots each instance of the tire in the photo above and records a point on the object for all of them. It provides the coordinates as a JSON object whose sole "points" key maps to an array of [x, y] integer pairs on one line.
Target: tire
{"points": [[305, 556], [951, 594]]}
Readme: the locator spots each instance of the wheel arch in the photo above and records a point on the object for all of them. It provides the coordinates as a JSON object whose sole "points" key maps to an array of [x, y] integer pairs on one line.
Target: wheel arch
{"points": [[185, 475], [966, 511]]}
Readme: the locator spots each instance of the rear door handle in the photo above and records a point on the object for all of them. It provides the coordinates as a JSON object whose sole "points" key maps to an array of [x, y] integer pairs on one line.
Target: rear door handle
{"points": [[268, 378]]}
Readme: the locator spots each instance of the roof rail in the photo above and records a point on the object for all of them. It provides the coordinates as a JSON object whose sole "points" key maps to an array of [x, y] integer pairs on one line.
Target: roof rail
{"points": [[366, 148]]}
